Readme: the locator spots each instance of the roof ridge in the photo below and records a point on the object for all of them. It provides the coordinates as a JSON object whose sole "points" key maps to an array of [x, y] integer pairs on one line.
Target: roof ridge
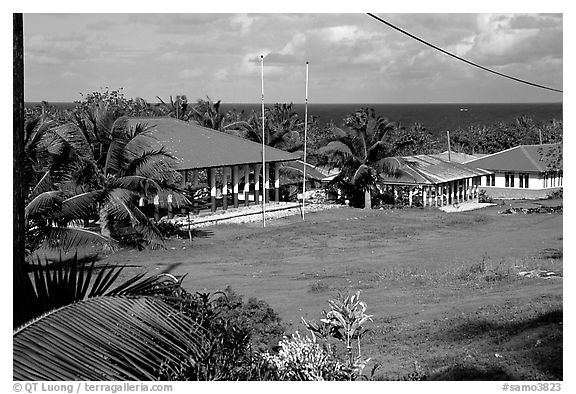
{"points": [[493, 154], [530, 158]]}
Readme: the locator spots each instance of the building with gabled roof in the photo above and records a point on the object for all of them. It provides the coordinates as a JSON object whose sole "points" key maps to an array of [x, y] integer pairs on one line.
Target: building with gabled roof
{"points": [[439, 182], [223, 161], [519, 172]]}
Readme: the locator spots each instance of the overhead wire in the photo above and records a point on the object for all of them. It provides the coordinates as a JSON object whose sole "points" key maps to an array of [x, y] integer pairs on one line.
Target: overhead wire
{"points": [[462, 59]]}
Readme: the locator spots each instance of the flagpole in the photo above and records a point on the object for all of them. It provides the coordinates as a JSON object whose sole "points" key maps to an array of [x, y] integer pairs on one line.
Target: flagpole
{"points": [[263, 148], [305, 136]]}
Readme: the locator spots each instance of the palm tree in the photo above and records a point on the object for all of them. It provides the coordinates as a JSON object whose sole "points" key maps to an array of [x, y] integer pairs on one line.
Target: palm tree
{"points": [[177, 108], [101, 180], [362, 152], [282, 129]]}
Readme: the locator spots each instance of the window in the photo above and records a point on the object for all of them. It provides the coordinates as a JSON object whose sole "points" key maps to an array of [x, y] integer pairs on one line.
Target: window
{"points": [[491, 180], [523, 178], [509, 179]]}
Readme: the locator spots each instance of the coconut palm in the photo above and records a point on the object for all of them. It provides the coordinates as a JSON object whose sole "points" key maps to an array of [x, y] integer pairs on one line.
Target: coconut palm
{"points": [[362, 152], [75, 187], [177, 108], [282, 128]]}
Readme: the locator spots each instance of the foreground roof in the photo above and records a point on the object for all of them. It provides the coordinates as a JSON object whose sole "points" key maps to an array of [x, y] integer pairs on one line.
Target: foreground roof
{"points": [[458, 157], [431, 170], [522, 158], [198, 147], [312, 172]]}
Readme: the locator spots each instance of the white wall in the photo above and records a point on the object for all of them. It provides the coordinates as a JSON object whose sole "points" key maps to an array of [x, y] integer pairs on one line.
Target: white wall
{"points": [[535, 181]]}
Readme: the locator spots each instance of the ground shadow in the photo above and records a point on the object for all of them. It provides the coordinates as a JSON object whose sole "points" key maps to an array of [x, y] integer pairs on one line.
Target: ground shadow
{"points": [[534, 344], [461, 372]]}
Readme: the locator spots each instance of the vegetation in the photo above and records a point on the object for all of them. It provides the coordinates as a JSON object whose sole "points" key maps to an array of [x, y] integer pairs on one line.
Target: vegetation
{"points": [[362, 152]]}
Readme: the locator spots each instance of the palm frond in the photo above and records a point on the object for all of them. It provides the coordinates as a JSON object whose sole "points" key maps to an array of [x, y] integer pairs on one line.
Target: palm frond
{"points": [[67, 238], [42, 186], [336, 147], [390, 166], [81, 205], [107, 338], [43, 202]]}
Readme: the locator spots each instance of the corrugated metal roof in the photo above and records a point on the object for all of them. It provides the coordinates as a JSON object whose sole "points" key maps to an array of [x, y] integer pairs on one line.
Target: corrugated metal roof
{"points": [[430, 170], [522, 158], [457, 157], [312, 172], [198, 147]]}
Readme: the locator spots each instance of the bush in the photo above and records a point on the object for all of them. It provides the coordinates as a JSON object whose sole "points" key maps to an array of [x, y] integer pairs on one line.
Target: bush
{"points": [[302, 358], [235, 333], [483, 198]]}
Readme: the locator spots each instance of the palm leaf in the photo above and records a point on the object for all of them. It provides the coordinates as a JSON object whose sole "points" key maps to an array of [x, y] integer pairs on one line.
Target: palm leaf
{"points": [[80, 206], [67, 238], [43, 202], [337, 147], [45, 184], [107, 338]]}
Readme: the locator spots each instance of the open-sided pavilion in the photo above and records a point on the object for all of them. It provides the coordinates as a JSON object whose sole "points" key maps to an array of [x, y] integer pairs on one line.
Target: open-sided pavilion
{"points": [[226, 161], [438, 181]]}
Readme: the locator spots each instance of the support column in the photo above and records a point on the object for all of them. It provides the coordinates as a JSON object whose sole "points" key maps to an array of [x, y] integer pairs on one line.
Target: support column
{"points": [[246, 185], [156, 207], [277, 182], [183, 185], [410, 197], [449, 193], [194, 178], [257, 168], [169, 204], [212, 179], [235, 186], [224, 188], [436, 195], [424, 196], [476, 194], [266, 176]]}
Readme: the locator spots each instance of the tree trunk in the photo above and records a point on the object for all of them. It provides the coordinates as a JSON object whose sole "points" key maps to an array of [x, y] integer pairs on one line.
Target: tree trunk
{"points": [[18, 140], [367, 199]]}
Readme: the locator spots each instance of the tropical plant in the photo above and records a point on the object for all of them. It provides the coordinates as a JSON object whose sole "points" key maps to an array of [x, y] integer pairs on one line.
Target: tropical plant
{"points": [[235, 334], [130, 168], [177, 108], [303, 358], [345, 322], [79, 329], [362, 152]]}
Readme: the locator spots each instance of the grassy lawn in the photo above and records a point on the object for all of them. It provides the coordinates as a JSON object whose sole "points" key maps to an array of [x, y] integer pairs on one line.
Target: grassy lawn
{"points": [[443, 288]]}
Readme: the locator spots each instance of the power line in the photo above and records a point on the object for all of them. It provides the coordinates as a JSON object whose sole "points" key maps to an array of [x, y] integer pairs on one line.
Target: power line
{"points": [[461, 59]]}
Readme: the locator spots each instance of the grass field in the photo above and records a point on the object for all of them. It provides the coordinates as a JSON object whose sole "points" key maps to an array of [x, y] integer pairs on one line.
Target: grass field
{"points": [[443, 288]]}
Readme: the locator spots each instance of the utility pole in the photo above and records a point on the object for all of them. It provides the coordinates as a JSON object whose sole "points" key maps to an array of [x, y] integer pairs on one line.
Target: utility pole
{"points": [[448, 135]]}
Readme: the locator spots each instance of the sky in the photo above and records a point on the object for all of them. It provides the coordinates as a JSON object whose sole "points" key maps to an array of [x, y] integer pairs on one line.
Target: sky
{"points": [[352, 57]]}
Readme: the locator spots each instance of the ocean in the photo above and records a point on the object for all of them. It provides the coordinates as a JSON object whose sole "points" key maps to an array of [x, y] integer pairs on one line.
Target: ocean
{"points": [[435, 117]]}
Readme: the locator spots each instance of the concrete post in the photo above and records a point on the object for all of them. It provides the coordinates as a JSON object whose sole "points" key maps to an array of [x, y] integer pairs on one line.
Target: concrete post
{"points": [[169, 204], [277, 182], [424, 196], [224, 188], [410, 197], [156, 207], [212, 178], [183, 185], [257, 168], [235, 186], [246, 185], [266, 177]]}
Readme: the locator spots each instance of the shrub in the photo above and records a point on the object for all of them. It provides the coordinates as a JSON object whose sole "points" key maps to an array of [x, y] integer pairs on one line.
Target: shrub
{"points": [[235, 332], [483, 198], [302, 358]]}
